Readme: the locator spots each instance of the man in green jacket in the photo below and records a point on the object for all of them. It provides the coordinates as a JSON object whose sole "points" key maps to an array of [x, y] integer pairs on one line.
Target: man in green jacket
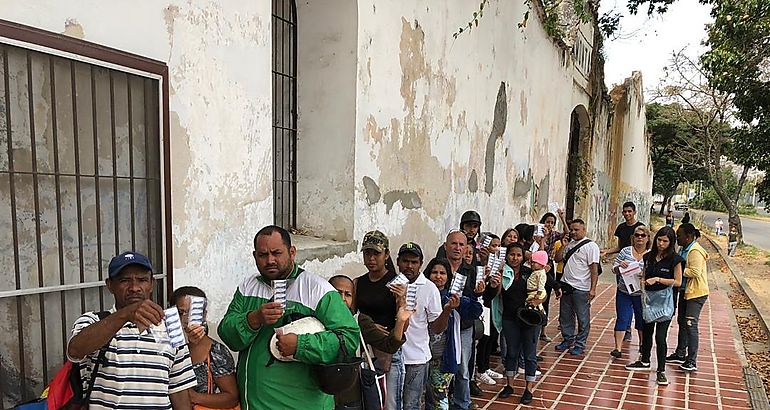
{"points": [[248, 325]]}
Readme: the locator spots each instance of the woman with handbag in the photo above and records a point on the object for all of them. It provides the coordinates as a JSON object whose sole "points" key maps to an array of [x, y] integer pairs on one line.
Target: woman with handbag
{"points": [[510, 295], [212, 361], [377, 300], [628, 299], [662, 273]]}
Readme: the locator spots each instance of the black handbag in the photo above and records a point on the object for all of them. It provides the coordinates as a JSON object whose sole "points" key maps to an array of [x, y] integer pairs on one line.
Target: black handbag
{"points": [[373, 393]]}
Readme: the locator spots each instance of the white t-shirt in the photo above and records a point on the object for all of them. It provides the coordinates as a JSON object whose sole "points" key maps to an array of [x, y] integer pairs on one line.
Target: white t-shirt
{"points": [[416, 349], [577, 271]]}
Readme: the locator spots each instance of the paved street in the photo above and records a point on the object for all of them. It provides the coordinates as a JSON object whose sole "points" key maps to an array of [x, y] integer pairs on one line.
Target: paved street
{"points": [[755, 231]]}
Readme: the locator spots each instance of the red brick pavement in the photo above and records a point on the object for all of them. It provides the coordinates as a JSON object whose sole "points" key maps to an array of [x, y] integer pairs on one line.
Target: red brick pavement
{"points": [[596, 381]]}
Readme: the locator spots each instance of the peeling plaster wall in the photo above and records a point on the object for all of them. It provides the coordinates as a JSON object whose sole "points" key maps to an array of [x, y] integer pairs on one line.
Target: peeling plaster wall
{"points": [[219, 56], [478, 122], [635, 180]]}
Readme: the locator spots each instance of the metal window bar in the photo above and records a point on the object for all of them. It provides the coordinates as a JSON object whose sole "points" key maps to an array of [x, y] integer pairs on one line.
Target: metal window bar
{"points": [[284, 19], [48, 188]]}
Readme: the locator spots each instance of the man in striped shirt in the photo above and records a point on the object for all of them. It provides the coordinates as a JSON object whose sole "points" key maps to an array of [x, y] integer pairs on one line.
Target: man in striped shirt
{"points": [[137, 371]]}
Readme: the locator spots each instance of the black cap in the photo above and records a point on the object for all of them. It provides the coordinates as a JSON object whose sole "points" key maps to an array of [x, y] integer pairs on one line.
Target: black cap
{"points": [[410, 247], [118, 263], [470, 217]]}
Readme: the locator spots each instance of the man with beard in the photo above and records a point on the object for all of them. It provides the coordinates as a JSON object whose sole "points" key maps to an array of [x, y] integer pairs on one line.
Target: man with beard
{"points": [[252, 317], [121, 338], [429, 316]]}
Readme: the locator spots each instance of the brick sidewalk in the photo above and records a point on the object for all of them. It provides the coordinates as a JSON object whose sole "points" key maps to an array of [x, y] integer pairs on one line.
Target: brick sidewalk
{"points": [[596, 381]]}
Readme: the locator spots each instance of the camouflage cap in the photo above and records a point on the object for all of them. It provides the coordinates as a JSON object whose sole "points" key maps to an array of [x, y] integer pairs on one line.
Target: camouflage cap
{"points": [[376, 241]]}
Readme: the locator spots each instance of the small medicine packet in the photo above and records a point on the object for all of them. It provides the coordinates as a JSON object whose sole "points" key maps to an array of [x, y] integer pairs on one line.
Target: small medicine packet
{"points": [[279, 292], [479, 274], [553, 207], [458, 283], [400, 279], [411, 296], [197, 309], [174, 327]]}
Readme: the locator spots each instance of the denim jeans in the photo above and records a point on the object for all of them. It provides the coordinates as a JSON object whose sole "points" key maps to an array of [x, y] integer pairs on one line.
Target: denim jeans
{"points": [[394, 382], [575, 306], [660, 329], [687, 318], [415, 380], [520, 339], [462, 389]]}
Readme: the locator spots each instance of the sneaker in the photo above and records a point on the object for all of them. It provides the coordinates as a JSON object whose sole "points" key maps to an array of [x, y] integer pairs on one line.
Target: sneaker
{"points": [[563, 346], [615, 353], [675, 359], [473, 405], [688, 366], [475, 390], [576, 350], [506, 392], [627, 336], [638, 365], [485, 379], [661, 379], [526, 398], [539, 358], [493, 374], [537, 371], [544, 337]]}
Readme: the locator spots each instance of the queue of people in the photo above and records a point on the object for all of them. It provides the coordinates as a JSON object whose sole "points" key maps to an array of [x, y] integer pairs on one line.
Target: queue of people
{"points": [[420, 323]]}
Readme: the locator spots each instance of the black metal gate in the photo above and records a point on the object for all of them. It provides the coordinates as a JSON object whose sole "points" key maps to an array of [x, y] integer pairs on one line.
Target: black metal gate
{"points": [[80, 181], [285, 113]]}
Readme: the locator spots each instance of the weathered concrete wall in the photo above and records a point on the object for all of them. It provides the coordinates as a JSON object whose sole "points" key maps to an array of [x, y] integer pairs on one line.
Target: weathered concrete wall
{"points": [[474, 123], [326, 95]]}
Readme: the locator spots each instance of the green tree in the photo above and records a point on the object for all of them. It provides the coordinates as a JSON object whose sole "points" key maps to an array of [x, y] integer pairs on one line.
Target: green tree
{"points": [[708, 115], [668, 134]]}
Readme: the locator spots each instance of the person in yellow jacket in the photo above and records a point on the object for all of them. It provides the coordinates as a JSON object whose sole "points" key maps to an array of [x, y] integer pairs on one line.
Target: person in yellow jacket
{"points": [[692, 297]]}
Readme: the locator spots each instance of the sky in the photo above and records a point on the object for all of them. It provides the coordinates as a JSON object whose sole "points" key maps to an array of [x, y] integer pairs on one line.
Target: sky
{"points": [[646, 43]]}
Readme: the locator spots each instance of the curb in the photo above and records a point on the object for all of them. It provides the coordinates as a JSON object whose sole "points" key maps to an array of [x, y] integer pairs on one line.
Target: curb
{"points": [[755, 388]]}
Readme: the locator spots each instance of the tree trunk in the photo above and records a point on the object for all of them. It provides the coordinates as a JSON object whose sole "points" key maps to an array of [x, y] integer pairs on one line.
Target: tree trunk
{"points": [[664, 204], [734, 220]]}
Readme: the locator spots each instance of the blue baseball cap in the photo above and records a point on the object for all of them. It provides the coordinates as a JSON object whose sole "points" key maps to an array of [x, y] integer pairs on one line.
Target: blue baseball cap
{"points": [[125, 259]]}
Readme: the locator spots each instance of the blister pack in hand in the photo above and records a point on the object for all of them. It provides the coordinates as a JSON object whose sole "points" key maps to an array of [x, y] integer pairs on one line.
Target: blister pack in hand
{"points": [[279, 292], [174, 327], [479, 274], [400, 279], [458, 283], [411, 296], [197, 309]]}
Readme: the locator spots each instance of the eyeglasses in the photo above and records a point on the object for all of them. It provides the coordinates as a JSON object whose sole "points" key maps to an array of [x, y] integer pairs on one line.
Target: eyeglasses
{"points": [[640, 235]]}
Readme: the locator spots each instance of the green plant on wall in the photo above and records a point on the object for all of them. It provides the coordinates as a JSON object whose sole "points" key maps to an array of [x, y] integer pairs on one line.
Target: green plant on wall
{"points": [[584, 177]]}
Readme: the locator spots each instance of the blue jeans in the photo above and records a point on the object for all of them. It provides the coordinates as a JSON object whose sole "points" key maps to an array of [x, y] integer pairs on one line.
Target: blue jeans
{"points": [[394, 382], [520, 339], [462, 388], [575, 306], [628, 307], [415, 382]]}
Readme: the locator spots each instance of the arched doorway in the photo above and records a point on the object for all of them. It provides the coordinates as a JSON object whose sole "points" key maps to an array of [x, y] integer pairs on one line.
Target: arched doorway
{"points": [[578, 138]]}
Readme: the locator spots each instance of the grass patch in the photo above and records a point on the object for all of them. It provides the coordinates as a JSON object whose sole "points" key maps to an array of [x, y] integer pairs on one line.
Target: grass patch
{"points": [[752, 252]]}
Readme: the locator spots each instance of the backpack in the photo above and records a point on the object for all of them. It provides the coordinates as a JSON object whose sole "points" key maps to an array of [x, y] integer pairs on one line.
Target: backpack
{"points": [[66, 389]]}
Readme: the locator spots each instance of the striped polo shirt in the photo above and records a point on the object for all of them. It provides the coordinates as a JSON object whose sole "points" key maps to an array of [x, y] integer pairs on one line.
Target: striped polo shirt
{"points": [[137, 372]]}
